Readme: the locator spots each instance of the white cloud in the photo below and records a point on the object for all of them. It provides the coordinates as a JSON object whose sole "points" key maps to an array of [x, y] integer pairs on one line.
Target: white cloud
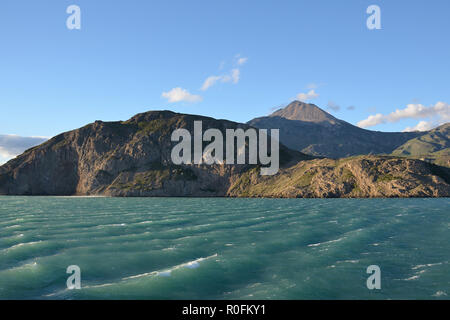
{"points": [[440, 112], [13, 145], [233, 76], [314, 85], [179, 94], [421, 126], [419, 111], [372, 120], [311, 94], [5, 155], [210, 81], [241, 61]]}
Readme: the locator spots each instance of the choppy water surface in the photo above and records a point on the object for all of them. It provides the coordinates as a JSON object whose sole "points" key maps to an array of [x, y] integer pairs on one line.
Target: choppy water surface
{"points": [[185, 248]]}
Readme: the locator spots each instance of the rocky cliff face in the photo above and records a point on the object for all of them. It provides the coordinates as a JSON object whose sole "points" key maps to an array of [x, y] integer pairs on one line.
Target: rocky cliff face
{"points": [[133, 158], [129, 158]]}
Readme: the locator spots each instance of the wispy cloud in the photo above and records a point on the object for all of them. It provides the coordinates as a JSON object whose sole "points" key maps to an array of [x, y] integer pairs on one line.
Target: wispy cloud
{"points": [[179, 94], [241, 61], [440, 113], [13, 145], [351, 108], [235, 75], [231, 77], [210, 81], [310, 95], [314, 85]]}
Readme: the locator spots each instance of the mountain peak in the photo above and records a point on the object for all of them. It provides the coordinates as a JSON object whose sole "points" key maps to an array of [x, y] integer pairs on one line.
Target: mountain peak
{"points": [[302, 111]]}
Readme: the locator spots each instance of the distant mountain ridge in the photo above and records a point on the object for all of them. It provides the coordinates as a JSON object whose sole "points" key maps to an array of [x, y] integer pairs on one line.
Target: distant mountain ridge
{"points": [[431, 141], [133, 158], [433, 145], [311, 130]]}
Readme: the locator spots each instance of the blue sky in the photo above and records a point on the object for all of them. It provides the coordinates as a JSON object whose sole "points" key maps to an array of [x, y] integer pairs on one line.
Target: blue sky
{"points": [[128, 53]]}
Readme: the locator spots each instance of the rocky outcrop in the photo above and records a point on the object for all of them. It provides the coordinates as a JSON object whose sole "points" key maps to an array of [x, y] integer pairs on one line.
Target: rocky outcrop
{"points": [[126, 158], [133, 158], [356, 177]]}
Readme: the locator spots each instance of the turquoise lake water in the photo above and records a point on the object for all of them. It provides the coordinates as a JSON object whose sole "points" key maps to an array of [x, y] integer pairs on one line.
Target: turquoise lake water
{"points": [[191, 248]]}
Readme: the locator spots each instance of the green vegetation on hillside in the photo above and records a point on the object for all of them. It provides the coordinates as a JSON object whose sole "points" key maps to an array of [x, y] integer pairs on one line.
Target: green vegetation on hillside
{"points": [[433, 146]]}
